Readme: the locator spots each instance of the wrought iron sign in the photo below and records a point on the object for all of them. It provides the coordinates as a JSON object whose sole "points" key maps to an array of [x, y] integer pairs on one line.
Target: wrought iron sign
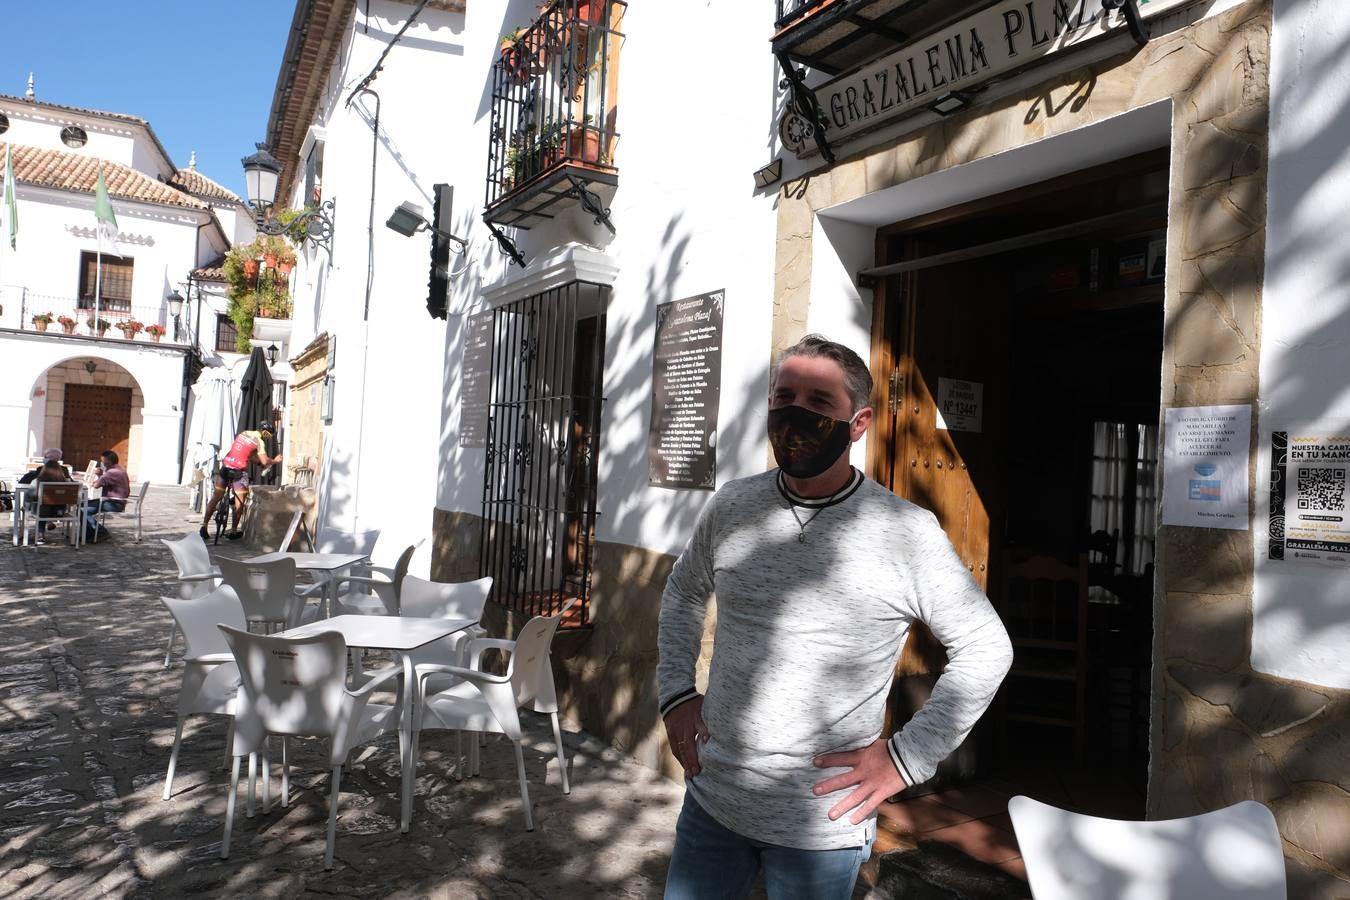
{"points": [[1002, 38]]}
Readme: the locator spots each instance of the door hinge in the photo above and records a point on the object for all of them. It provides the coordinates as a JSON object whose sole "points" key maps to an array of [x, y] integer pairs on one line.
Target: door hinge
{"points": [[896, 397]]}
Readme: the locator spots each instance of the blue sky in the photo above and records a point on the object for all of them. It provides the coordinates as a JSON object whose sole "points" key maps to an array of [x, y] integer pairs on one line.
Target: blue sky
{"points": [[202, 73]]}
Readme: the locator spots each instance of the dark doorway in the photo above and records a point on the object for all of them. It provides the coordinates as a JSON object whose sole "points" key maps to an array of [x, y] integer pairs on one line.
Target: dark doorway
{"points": [[1023, 335]]}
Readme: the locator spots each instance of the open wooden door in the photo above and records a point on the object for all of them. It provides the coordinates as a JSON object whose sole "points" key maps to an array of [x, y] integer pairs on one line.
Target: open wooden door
{"points": [[947, 414]]}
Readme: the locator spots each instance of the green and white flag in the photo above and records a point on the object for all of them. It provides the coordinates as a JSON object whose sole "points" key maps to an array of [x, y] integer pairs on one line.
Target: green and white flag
{"points": [[11, 201], [103, 212]]}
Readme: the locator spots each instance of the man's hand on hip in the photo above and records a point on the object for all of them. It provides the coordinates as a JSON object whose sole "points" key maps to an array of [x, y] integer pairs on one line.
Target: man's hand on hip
{"points": [[870, 769], [685, 728]]}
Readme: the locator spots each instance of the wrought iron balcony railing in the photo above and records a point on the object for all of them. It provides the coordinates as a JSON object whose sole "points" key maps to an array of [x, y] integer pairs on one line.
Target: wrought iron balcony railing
{"points": [[554, 106], [24, 310], [790, 11]]}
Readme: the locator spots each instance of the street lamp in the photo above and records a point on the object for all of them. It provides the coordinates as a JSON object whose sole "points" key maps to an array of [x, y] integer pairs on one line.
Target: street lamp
{"points": [[271, 354], [262, 173], [175, 309]]}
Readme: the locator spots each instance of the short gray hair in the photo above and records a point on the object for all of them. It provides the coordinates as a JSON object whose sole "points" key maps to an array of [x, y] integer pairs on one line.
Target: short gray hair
{"points": [[857, 378]]}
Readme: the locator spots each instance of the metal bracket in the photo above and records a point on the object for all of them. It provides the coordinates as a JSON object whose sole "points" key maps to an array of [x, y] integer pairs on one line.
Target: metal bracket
{"points": [[590, 201], [807, 106], [314, 224], [1132, 18], [505, 244]]}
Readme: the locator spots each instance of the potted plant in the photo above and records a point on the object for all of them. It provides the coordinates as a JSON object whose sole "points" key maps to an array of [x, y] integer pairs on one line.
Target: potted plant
{"points": [[42, 320], [97, 325], [250, 267], [286, 263], [513, 56], [67, 324], [130, 328], [155, 331]]}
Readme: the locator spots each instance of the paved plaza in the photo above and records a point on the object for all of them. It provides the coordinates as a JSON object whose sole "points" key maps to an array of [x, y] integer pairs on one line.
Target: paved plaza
{"points": [[87, 715]]}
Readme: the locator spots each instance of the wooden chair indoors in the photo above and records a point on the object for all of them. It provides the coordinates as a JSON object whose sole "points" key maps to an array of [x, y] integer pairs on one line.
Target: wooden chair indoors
{"points": [[1044, 607]]}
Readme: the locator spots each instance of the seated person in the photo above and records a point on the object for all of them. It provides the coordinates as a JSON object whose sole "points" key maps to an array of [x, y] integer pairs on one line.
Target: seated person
{"points": [[248, 447], [116, 485], [52, 472], [51, 456]]}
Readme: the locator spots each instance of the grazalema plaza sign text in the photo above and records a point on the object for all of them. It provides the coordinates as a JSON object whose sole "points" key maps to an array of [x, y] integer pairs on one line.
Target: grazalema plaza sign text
{"points": [[999, 39]]}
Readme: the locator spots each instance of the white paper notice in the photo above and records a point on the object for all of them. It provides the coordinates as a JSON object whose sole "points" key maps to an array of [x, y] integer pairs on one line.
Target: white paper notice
{"points": [[1206, 451], [960, 405]]}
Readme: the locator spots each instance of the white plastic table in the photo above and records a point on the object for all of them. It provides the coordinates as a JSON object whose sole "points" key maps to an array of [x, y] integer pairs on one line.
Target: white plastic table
{"points": [[326, 565], [402, 635]]}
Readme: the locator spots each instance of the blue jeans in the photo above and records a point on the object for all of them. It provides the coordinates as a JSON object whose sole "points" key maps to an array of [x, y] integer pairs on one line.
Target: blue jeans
{"points": [[712, 861], [92, 506]]}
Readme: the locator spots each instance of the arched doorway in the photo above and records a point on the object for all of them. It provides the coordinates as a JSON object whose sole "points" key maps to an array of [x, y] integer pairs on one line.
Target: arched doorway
{"points": [[91, 405]]}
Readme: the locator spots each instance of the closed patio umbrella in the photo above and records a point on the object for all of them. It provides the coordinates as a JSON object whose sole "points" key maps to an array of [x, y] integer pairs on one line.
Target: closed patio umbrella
{"points": [[255, 407], [213, 423]]}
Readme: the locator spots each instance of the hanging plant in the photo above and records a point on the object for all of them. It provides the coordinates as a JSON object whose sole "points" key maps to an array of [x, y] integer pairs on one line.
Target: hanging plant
{"points": [[253, 291]]}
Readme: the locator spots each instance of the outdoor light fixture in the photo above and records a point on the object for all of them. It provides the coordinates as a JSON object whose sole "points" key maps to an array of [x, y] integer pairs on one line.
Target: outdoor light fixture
{"points": [[408, 219], [175, 301], [950, 102], [89, 366], [262, 172], [769, 174], [271, 354]]}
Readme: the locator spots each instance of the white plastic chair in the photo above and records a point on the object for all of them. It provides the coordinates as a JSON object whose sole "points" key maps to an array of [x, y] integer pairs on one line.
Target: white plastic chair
{"points": [[375, 594], [485, 702], [197, 577], [296, 687], [133, 509], [1232, 853], [268, 592], [210, 677], [445, 600]]}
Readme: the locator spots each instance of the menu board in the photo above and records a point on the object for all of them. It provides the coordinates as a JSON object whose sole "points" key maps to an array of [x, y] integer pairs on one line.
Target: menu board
{"points": [[686, 386], [476, 379]]}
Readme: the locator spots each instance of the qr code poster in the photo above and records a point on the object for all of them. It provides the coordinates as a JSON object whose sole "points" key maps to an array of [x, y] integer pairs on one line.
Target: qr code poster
{"points": [[1206, 451], [1308, 487]]}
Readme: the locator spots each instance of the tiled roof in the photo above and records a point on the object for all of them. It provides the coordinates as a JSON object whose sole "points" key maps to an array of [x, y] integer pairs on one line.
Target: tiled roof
{"points": [[79, 172], [80, 110], [192, 182], [212, 271]]}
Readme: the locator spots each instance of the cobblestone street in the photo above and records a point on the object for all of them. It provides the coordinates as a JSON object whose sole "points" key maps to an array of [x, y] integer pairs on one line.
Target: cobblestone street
{"points": [[86, 724]]}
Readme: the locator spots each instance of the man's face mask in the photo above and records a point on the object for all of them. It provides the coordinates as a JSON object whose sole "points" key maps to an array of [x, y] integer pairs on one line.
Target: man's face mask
{"points": [[806, 443]]}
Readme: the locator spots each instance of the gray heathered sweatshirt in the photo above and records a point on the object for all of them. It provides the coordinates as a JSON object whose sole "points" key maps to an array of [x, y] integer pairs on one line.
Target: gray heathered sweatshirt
{"points": [[807, 638]]}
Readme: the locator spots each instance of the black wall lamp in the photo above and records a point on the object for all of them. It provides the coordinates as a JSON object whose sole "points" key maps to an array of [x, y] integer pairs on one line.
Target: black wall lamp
{"points": [[272, 354], [408, 220], [262, 172]]}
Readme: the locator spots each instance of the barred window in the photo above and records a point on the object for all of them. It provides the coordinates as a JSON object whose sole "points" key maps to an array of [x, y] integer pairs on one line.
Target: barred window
{"points": [[543, 437], [113, 288], [226, 332]]}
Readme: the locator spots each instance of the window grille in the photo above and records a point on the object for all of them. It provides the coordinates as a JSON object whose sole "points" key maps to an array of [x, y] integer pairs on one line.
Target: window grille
{"points": [[115, 286], [543, 437], [226, 333]]}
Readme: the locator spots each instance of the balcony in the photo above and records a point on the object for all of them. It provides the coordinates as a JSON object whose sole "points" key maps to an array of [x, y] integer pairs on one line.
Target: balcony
{"points": [[836, 36], [24, 310], [552, 138]]}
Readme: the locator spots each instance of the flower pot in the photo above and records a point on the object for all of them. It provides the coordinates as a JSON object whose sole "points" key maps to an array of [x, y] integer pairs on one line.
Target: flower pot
{"points": [[270, 260], [250, 268], [284, 266], [583, 145], [68, 329], [156, 337], [590, 12], [40, 325], [102, 332]]}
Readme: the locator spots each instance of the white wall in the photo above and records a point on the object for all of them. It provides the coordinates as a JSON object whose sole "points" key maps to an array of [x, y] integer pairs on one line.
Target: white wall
{"points": [[55, 226], [1302, 620], [688, 221], [388, 367]]}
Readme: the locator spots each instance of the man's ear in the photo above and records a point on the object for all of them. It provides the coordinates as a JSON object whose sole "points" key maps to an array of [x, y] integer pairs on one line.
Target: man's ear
{"points": [[861, 423]]}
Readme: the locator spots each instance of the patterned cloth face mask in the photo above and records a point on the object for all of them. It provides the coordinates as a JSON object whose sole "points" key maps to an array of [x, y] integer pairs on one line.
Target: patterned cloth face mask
{"points": [[806, 443]]}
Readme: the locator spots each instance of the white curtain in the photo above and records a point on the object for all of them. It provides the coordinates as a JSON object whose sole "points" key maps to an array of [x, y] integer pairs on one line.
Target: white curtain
{"points": [[1116, 448], [1145, 499]]}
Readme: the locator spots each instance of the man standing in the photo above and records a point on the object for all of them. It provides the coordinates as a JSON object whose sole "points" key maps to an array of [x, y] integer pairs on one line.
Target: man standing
{"points": [[233, 472], [116, 485], [818, 573]]}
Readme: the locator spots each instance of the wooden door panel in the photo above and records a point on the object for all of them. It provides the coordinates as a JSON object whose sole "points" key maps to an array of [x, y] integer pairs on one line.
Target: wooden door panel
{"points": [[95, 418]]}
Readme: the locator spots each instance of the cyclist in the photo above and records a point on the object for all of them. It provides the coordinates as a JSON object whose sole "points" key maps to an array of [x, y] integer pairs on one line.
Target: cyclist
{"points": [[233, 473]]}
